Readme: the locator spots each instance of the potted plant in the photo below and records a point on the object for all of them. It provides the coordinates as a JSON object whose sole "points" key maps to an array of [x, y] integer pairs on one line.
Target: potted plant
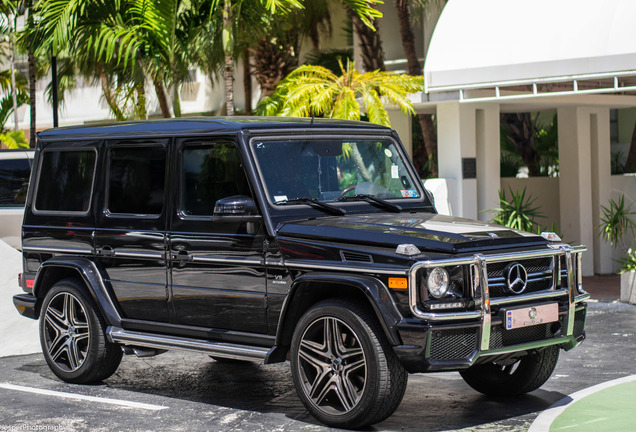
{"points": [[617, 221]]}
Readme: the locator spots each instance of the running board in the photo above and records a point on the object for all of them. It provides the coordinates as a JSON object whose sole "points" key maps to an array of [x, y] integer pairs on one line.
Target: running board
{"points": [[164, 342]]}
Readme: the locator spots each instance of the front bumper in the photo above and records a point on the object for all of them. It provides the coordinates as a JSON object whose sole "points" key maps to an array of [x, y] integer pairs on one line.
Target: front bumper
{"points": [[458, 340], [456, 346]]}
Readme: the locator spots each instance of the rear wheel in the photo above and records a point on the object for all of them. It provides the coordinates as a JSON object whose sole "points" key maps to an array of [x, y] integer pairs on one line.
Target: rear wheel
{"points": [[513, 377], [343, 368], [72, 335]]}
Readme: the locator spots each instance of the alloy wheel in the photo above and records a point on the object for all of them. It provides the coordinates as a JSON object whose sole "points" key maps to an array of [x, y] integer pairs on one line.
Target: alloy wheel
{"points": [[332, 366], [66, 332]]}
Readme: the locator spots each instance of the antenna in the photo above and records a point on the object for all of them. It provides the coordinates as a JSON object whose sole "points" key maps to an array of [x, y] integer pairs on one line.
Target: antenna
{"points": [[312, 120]]}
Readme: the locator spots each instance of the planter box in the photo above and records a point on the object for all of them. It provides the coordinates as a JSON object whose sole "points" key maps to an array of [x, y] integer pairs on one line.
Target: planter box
{"points": [[628, 287]]}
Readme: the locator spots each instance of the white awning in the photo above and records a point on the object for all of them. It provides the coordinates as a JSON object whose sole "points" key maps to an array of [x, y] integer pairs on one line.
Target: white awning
{"points": [[515, 48]]}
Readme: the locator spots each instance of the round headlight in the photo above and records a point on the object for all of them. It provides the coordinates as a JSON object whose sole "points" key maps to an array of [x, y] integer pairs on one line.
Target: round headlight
{"points": [[438, 282]]}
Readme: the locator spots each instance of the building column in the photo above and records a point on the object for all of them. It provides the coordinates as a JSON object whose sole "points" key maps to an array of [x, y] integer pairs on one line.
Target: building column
{"points": [[601, 184], [402, 123], [468, 156], [488, 143], [584, 180]]}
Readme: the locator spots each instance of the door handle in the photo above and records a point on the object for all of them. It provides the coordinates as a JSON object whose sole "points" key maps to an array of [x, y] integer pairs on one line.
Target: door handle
{"points": [[181, 256], [106, 251]]}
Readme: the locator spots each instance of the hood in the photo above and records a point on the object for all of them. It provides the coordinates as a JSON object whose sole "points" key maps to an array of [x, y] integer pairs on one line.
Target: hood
{"points": [[429, 232]]}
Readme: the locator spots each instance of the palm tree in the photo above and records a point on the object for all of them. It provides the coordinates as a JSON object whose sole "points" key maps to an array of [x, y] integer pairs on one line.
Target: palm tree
{"points": [[315, 90], [155, 37], [370, 46], [277, 53], [239, 20], [12, 89], [414, 67]]}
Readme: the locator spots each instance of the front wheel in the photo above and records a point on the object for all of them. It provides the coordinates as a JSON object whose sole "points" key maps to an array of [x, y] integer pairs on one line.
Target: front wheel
{"points": [[72, 335], [343, 368], [513, 377]]}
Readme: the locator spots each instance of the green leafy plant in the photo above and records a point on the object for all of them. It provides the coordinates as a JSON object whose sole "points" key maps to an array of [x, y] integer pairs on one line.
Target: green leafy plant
{"points": [[315, 90], [509, 164], [617, 163], [518, 212], [616, 221], [629, 262]]}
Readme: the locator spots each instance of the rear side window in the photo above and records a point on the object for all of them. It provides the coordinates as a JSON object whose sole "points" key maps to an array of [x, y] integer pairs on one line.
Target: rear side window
{"points": [[66, 181], [136, 180], [14, 181]]}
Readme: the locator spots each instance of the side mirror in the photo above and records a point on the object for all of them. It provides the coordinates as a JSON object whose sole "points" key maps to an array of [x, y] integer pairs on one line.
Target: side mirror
{"points": [[238, 205]]}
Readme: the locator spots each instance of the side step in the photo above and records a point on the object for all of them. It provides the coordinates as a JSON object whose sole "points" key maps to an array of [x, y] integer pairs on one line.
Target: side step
{"points": [[164, 342]]}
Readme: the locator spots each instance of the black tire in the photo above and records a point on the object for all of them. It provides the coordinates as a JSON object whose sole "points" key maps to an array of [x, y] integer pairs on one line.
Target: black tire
{"points": [[73, 338], [526, 374], [350, 381]]}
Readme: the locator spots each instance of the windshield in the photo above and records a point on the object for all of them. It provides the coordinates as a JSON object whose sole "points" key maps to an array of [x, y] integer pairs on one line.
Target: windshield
{"points": [[328, 169]]}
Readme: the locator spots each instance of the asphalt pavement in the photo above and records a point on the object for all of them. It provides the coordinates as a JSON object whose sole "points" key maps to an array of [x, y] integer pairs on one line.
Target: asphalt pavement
{"points": [[593, 387], [191, 392]]}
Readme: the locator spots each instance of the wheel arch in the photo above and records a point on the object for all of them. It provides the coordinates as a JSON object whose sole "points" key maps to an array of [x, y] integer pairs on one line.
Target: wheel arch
{"points": [[309, 289], [57, 269]]}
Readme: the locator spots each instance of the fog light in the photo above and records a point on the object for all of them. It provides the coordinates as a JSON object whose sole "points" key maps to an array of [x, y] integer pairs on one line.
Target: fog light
{"points": [[437, 282]]}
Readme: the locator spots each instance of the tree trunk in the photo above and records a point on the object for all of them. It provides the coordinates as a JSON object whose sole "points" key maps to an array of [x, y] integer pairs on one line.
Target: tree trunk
{"points": [[229, 85], [247, 82], [176, 100], [32, 83], [12, 63], [108, 96], [274, 60], [140, 108], [630, 164], [359, 163], [160, 90], [370, 44], [429, 153], [228, 48]]}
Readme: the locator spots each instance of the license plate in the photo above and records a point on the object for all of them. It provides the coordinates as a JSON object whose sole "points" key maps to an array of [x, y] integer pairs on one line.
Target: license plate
{"points": [[529, 316]]}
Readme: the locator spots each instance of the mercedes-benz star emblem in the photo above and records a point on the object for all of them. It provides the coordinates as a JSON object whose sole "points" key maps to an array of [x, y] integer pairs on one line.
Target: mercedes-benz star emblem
{"points": [[516, 278]]}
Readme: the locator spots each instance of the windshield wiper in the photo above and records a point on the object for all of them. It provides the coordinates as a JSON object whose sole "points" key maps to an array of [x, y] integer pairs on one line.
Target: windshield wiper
{"points": [[382, 203], [315, 203]]}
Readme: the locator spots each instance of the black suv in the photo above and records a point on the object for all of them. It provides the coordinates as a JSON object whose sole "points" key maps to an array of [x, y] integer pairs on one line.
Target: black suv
{"points": [[267, 239]]}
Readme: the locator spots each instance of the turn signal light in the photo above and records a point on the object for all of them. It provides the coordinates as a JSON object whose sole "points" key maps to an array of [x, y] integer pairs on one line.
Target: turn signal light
{"points": [[398, 283]]}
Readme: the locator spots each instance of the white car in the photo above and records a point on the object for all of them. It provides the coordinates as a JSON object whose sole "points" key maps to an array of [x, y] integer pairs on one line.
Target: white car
{"points": [[15, 170]]}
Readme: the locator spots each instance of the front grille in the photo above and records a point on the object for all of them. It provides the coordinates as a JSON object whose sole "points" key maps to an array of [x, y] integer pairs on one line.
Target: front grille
{"points": [[539, 270], [500, 337], [453, 344]]}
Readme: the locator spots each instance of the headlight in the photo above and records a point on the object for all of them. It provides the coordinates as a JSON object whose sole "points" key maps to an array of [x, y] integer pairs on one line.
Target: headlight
{"points": [[437, 282]]}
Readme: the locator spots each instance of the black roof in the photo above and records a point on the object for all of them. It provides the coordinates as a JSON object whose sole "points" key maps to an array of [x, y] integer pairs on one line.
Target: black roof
{"points": [[200, 126]]}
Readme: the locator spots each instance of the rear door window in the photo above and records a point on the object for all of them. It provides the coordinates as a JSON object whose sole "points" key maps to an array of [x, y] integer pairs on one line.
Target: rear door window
{"points": [[66, 181], [136, 180]]}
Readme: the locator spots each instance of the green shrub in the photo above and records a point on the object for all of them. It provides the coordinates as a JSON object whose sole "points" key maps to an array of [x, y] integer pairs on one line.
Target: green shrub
{"points": [[517, 213], [616, 221]]}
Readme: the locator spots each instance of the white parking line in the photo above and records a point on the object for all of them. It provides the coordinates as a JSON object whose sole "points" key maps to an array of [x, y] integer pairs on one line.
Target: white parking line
{"points": [[127, 404]]}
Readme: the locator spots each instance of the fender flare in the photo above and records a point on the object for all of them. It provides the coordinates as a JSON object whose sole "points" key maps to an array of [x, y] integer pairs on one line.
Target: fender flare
{"points": [[374, 290], [91, 277]]}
